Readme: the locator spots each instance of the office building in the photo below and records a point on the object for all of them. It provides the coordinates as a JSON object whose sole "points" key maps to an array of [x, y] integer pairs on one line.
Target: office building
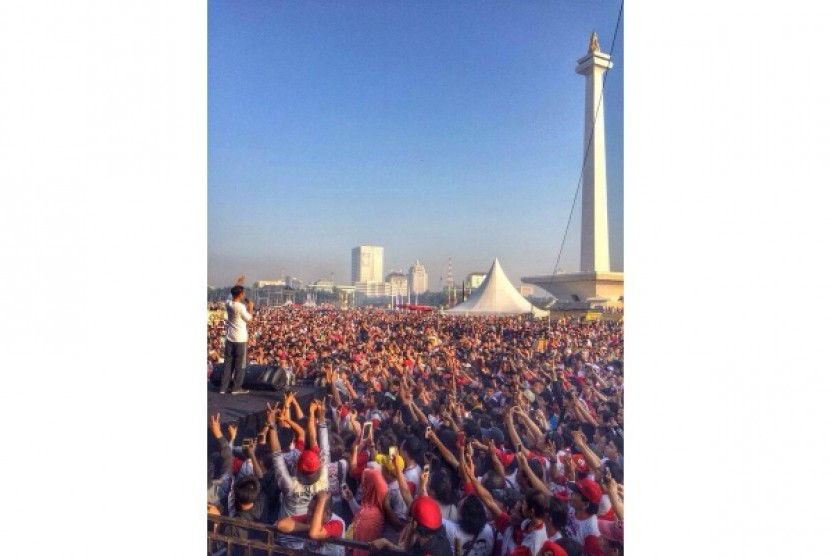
{"points": [[367, 264]]}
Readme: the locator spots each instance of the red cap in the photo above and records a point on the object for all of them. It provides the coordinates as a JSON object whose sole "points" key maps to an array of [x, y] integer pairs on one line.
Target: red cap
{"points": [[505, 457], [589, 489], [561, 493], [308, 462], [550, 548], [580, 463], [426, 512]]}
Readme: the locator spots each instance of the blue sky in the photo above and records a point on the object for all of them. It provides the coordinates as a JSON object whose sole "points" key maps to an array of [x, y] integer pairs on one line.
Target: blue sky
{"points": [[435, 129]]}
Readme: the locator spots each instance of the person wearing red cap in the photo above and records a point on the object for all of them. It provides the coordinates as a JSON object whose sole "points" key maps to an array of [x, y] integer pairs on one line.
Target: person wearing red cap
{"points": [[425, 535], [582, 517], [550, 548], [312, 473]]}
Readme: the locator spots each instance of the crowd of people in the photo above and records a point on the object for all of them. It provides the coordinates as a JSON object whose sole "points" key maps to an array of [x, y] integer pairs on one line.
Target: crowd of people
{"points": [[431, 434]]}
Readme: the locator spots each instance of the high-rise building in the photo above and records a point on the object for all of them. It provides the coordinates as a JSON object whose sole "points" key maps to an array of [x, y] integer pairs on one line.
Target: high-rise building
{"points": [[418, 278], [367, 264]]}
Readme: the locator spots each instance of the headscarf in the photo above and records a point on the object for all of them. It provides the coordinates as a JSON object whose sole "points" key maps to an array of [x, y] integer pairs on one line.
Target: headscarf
{"points": [[368, 521]]}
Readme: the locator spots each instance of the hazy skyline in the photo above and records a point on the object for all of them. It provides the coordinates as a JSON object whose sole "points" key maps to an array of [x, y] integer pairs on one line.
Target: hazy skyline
{"points": [[435, 130]]}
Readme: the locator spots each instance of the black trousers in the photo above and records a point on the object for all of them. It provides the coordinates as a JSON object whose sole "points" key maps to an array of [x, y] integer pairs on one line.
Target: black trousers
{"points": [[235, 358]]}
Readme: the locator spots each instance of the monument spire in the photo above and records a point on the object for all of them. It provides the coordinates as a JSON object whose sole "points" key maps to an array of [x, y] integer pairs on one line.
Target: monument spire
{"points": [[595, 284], [594, 255]]}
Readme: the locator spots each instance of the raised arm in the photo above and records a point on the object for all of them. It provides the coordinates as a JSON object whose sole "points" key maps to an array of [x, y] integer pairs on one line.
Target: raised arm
{"points": [[285, 421], [406, 494], [248, 452], [498, 467], [535, 482], [224, 447], [532, 428], [612, 489], [323, 438], [511, 427], [418, 413], [447, 417], [315, 525], [593, 461], [291, 401], [280, 469], [271, 434], [230, 433], [311, 424], [445, 453], [583, 414], [486, 498]]}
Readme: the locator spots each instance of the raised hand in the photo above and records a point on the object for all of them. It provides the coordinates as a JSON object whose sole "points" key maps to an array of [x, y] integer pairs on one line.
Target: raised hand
{"points": [[469, 468], [215, 429], [568, 462], [607, 482], [270, 413], [232, 428]]}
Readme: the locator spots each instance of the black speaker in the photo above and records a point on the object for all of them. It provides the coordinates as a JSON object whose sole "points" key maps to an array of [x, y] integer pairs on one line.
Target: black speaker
{"points": [[257, 377]]}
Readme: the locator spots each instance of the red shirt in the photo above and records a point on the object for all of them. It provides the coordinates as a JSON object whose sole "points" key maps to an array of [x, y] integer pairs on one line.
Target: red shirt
{"points": [[333, 527]]}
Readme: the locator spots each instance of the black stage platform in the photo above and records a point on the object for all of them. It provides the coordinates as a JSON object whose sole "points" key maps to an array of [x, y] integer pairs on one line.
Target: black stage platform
{"points": [[248, 410]]}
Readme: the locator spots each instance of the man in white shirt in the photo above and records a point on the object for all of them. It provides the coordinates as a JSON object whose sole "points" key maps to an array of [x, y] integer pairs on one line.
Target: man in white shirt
{"points": [[236, 338]]}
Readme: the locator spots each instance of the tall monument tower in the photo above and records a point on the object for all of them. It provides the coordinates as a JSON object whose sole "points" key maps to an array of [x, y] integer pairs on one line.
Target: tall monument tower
{"points": [[595, 284], [594, 251]]}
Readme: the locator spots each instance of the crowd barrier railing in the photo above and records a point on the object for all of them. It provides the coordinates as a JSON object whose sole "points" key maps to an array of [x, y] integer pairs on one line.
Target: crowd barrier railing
{"points": [[273, 545]]}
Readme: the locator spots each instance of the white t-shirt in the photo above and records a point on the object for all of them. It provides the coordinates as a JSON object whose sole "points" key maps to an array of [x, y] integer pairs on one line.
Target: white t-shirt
{"points": [[448, 511], [484, 542], [413, 475], [396, 502], [238, 315], [581, 528], [531, 538]]}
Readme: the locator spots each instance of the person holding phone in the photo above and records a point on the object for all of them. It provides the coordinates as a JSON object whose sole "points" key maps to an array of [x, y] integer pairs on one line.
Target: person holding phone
{"points": [[239, 313]]}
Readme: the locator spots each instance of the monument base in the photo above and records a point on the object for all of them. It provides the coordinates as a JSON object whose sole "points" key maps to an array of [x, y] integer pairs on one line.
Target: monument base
{"points": [[592, 288]]}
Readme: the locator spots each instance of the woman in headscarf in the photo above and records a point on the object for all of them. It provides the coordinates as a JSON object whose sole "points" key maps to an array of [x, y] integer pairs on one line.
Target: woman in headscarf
{"points": [[367, 523]]}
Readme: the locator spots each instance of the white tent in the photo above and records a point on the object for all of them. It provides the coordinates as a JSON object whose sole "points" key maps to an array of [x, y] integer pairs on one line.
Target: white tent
{"points": [[496, 296]]}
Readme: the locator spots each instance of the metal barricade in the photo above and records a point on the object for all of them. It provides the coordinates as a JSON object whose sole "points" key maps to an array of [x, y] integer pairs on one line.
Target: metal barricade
{"points": [[217, 541]]}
